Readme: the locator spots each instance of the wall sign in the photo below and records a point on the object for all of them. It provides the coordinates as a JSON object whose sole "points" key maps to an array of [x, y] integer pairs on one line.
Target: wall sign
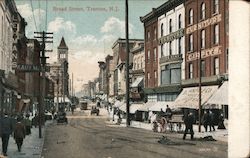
{"points": [[204, 24], [204, 53], [171, 36]]}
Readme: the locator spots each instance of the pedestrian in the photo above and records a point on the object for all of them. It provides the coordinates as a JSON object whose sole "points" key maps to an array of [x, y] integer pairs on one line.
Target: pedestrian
{"points": [[189, 121], [19, 133], [168, 113], [221, 122], [206, 119], [6, 128], [35, 120], [212, 120], [27, 123]]}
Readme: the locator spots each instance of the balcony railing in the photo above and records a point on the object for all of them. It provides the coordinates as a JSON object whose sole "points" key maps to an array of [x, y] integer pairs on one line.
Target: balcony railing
{"points": [[169, 58]]}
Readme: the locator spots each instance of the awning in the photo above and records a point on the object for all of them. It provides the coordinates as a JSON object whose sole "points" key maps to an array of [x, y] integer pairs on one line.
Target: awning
{"points": [[189, 97], [61, 100], [220, 97], [161, 105], [117, 103], [132, 108], [137, 82], [146, 106]]}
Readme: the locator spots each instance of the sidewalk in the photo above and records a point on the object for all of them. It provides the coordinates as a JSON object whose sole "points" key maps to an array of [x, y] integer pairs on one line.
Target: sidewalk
{"points": [[32, 145], [220, 135]]}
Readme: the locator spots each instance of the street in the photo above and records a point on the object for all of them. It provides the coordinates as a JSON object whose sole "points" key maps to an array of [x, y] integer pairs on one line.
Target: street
{"points": [[95, 137]]}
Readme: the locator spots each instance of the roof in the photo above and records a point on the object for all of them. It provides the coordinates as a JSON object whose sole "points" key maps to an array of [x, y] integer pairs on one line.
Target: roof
{"points": [[62, 44], [167, 6]]}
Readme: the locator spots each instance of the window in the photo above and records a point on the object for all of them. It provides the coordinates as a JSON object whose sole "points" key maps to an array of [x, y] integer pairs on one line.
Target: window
{"points": [[148, 56], [190, 75], [165, 74], [170, 48], [191, 18], [227, 60], [155, 34], [203, 11], [162, 30], [148, 77], [216, 66], [148, 35], [171, 74], [155, 55], [179, 46], [170, 26], [203, 38], [216, 6], [190, 42], [203, 66], [141, 62], [162, 53], [216, 34], [155, 72], [179, 21]]}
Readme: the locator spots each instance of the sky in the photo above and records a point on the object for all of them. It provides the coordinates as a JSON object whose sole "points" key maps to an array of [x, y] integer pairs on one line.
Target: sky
{"points": [[89, 27]]}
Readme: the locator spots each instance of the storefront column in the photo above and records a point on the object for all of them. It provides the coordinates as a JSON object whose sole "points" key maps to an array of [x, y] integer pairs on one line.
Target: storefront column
{"points": [[239, 79]]}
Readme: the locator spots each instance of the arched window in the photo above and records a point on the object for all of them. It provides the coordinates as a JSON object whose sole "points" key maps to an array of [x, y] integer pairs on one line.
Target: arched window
{"points": [[191, 18], [162, 30], [179, 21], [170, 25], [203, 11]]}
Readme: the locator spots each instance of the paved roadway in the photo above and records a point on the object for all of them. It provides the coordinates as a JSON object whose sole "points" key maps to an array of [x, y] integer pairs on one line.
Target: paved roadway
{"points": [[88, 136]]}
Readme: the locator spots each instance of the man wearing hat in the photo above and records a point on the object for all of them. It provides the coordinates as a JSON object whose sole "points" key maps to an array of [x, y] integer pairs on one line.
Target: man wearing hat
{"points": [[6, 128]]}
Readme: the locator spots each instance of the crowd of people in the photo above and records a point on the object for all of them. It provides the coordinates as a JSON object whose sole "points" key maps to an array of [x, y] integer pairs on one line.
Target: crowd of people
{"points": [[17, 126], [161, 121]]}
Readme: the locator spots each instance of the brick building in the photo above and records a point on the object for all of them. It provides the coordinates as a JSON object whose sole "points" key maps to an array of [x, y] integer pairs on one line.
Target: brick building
{"points": [[206, 31]]}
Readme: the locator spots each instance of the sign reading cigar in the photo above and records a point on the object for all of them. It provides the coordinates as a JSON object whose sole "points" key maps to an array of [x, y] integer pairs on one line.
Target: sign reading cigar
{"points": [[204, 24], [171, 36], [204, 53]]}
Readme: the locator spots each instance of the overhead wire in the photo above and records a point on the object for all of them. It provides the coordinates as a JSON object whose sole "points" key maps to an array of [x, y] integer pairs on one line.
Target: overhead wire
{"points": [[39, 14], [32, 8]]}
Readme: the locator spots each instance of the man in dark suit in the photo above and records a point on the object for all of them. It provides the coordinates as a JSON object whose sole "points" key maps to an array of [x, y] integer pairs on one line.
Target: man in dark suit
{"points": [[6, 128], [189, 121]]}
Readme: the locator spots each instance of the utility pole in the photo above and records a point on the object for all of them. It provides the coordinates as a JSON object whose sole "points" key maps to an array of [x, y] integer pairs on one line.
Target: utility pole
{"points": [[199, 68], [127, 64], [43, 36]]}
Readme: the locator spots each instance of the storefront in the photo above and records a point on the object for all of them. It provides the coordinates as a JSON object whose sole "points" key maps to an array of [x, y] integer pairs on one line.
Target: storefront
{"points": [[219, 100]]}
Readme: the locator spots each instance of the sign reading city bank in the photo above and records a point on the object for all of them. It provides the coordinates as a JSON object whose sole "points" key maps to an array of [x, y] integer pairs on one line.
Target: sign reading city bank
{"points": [[204, 53]]}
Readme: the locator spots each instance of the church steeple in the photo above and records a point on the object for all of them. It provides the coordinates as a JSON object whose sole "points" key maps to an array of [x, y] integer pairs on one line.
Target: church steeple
{"points": [[63, 44], [62, 50]]}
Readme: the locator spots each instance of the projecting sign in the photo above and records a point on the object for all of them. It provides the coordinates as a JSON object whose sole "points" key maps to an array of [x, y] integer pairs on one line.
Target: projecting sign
{"points": [[31, 68]]}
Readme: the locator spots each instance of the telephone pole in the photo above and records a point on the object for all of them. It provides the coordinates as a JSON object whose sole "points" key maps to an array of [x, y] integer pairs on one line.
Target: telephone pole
{"points": [[127, 64], [43, 39]]}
